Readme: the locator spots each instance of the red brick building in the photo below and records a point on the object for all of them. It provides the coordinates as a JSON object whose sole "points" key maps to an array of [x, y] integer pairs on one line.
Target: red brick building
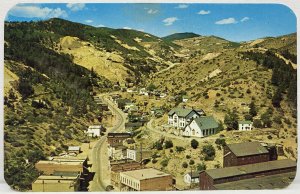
{"points": [[210, 179], [121, 166], [244, 153]]}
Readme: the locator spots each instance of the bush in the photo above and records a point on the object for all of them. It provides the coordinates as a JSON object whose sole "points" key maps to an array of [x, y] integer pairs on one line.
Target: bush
{"points": [[221, 142], [158, 145], [179, 149], [209, 152], [192, 162], [194, 143], [184, 165], [257, 123], [187, 156], [201, 166], [168, 144], [165, 162], [277, 120]]}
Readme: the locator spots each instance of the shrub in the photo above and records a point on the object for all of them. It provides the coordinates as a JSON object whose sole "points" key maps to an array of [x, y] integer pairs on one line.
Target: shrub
{"points": [[201, 166], [187, 156], [257, 123], [179, 149], [209, 152], [168, 144], [277, 120], [221, 142], [192, 162], [184, 165], [194, 143], [165, 162]]}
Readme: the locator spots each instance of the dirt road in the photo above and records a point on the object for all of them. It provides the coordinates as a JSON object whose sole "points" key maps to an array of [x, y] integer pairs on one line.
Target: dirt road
{"points": [[99, 158]]}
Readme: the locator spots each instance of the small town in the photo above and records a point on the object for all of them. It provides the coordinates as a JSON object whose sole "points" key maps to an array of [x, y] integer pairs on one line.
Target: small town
{"points": [[116, 151], [121, 97]]}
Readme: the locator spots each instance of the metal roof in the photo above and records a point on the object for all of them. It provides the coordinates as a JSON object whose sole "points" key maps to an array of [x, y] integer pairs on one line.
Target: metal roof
{"points": [[146, 173], [277, 181], [247, 148], [206, 122], [181, 112], [245, 122], [250, 168]]}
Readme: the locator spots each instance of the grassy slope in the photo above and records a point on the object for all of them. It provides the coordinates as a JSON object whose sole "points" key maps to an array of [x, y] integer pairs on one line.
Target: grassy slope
{"points": [[232, 83]]}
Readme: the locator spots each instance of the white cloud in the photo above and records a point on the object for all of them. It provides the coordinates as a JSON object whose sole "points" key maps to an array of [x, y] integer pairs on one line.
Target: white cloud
{"points": [[100, 25], [88, 21], [152, 11], [182, 6], [141, 30], [33, 11], [170, 21], [76, 6], [244, 19], [226, 21], [127, 28], [203, 12]]}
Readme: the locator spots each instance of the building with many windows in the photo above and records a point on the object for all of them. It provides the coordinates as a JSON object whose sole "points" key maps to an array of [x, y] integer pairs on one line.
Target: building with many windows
{"points": [[180, 117], [148, 179]]}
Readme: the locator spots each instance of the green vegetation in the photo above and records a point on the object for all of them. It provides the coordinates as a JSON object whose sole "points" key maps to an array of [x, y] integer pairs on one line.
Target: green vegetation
{"points": [[231, 120], [283, 75], [168, 144], [208, 151], [179, 36], [201, 166], [194, 144]]}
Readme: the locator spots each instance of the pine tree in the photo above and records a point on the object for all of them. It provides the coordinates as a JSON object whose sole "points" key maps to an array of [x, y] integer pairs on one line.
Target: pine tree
{"points": [[252, 111]]}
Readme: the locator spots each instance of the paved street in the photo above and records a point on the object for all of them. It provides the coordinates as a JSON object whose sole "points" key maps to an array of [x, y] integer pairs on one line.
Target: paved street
{"points": [[99, 152]]}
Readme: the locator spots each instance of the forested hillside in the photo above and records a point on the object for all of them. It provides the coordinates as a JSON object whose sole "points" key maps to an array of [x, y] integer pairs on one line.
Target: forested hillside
{"points": [[48, 107]]}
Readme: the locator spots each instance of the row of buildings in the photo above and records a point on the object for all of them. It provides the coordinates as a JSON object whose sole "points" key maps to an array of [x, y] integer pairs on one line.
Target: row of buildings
{"points": [[250, 165], [66, 173], [128, 172], [195, 123]]}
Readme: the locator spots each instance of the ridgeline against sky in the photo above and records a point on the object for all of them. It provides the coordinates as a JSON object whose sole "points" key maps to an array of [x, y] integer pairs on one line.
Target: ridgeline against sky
{"points": [[235, 22]]}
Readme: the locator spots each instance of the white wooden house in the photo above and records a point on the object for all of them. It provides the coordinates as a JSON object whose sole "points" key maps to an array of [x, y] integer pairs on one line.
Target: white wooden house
{"points": [[180, 117], [74, 149], [245, 125], [94, 131], [191, 177], [201, 127]]}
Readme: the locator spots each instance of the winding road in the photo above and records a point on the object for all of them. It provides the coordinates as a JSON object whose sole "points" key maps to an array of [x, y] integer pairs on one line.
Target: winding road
{"points": [[99, 150]]}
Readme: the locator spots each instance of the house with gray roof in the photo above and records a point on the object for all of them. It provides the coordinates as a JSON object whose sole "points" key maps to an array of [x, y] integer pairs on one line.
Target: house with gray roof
{"points": [[180, 117], [245, 153], [201, 127]]}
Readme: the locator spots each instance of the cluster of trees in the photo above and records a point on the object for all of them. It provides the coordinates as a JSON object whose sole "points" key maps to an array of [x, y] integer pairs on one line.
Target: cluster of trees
{"points": [[284, 76]]}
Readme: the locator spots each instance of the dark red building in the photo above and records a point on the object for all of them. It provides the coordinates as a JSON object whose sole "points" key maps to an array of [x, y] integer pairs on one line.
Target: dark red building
{"points": [[210, 179], [116, 139], [244, 153]]}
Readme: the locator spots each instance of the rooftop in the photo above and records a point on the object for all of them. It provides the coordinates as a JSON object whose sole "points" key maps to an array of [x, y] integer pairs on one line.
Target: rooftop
{"points": [[194, 174], [245, 122], [119, 135], [74, 148], [60, 162], [250, 168], [277, 181], [181, 112], [247, 148], [147, 173], [66, 174], [208, 122]]}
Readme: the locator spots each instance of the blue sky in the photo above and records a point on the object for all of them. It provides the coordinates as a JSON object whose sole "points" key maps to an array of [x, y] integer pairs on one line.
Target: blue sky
{"points": [[235, 22]]}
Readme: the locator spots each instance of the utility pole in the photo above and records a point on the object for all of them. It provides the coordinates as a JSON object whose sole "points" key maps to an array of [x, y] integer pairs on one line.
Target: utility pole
{"points": [[191, 177]]}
